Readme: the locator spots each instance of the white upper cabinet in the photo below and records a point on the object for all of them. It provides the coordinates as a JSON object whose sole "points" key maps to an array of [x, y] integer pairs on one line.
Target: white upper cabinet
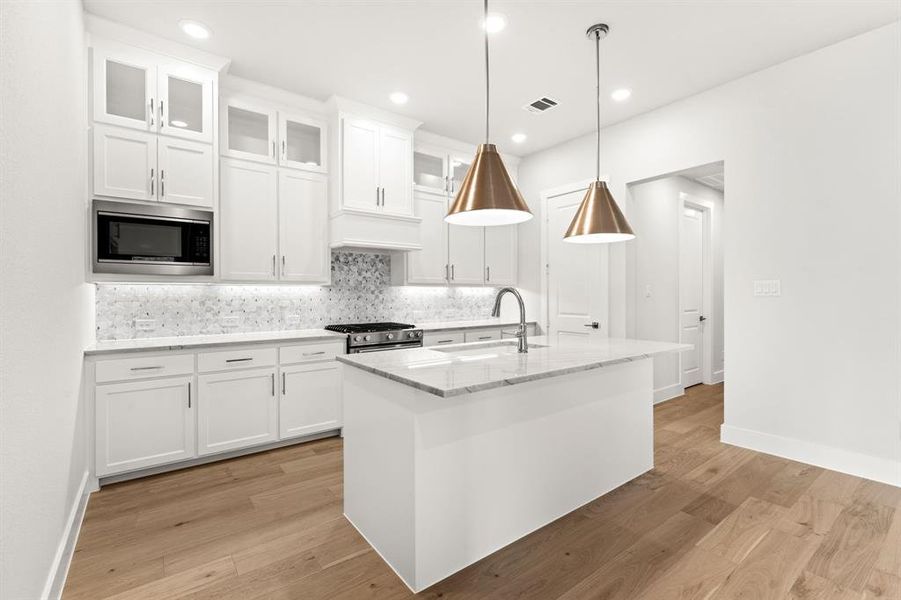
{"points": [[377, 164], [302, 142], [184, 172], [303, 227], [500, 255], [430, 170], [124, 163], [429, 266], [248, 223], [248, 130], [124, 89], [459, 167], [466, 254], [185, 102]]}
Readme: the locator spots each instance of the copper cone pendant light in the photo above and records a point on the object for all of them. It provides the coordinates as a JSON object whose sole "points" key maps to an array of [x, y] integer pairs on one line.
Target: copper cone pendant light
{"points": [[599, 219], [488, 196]]}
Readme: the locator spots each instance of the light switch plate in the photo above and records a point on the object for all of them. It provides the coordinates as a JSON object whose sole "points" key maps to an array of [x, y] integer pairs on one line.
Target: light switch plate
{"points": [[145, 324], [768, 287], [230, 321]]}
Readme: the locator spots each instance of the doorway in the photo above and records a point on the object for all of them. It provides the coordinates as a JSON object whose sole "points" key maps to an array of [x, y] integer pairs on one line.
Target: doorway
{"points": [[674, 274]]}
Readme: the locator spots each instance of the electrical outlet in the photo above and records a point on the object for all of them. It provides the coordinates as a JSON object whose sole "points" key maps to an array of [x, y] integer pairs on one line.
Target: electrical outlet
{"points": [[230, 321], [767, 287], [145, 324]]}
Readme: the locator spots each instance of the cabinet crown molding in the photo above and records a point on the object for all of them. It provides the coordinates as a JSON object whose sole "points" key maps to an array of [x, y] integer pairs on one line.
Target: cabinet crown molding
{"points": [[364, 111]]}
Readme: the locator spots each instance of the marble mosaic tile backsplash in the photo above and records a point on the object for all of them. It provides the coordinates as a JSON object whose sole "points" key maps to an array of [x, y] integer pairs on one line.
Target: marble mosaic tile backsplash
{"points": [[361, 291]]}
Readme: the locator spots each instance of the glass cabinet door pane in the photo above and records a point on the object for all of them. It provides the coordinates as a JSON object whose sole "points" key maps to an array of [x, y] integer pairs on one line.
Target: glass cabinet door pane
{"points": [[303, 143], [428, 170], [126, 91], [185, 109], [459, 169], [248, 131]]}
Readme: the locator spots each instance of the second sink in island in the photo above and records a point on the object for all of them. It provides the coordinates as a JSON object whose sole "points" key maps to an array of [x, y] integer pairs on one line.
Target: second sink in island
{"points": [[453, 453]]}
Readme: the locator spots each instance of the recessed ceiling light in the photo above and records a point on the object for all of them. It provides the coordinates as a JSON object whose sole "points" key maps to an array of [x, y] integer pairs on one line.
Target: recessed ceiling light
{"points": [[399, 98], [495, 22], [518, 137], [196, 30], [621, 95]]}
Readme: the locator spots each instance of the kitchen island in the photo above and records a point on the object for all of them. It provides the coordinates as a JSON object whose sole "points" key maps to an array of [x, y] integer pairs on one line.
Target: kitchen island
{"points": [[453, 453]]}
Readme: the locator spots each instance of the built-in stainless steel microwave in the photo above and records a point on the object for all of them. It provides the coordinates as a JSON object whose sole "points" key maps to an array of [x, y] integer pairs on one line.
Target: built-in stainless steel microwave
{"points": [[152, 239]]}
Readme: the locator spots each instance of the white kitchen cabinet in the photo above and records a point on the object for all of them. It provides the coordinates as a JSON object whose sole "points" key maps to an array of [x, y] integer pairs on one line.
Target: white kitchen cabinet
{"points": [[124, 87], [185, 172], [303, 227], [458, 168], [185, 102], [124, 163], [377, 167], [310, 399], [481, 335], [236, 409], [142, 424], [442, 338], [248, 130], [501, 255], [248, 222], [466, 254], [429, 266], [430, 170], [302, 142]]}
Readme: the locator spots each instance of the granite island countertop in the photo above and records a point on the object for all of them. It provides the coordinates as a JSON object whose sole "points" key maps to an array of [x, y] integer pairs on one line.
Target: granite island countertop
{"points": [[474, 367]]}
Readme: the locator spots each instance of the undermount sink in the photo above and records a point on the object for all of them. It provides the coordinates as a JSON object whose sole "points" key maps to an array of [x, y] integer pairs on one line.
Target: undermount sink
{"points": [[487, 350]]}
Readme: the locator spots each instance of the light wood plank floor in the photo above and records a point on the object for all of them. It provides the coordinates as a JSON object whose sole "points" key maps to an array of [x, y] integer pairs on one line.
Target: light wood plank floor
{"points": [[711, 521]]}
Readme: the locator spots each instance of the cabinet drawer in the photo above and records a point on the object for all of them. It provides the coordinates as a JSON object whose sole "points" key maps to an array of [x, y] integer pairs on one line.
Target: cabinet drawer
{"points": [[236, 359], [482, 335], [302, 353], [141, 367], [443, 338]]}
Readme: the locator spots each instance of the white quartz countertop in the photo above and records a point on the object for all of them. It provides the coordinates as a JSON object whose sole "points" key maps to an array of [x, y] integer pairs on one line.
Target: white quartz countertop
{"points": [[475, 367], [299, 335]]}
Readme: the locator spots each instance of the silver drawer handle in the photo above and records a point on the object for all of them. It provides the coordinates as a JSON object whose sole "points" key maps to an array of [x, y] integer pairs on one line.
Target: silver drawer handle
{"points": [[445, 341], [233, 360], [484, 337], [146, 368], [314, 353]]}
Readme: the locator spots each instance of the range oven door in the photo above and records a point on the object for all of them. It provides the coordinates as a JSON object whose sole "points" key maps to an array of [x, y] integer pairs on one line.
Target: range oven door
{"points": [[151, 240], [399, 346]]}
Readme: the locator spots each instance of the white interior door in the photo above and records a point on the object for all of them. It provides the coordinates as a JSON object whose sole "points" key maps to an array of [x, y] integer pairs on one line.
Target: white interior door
{"points": [[303, 222], [691, 293], [577, 276]]}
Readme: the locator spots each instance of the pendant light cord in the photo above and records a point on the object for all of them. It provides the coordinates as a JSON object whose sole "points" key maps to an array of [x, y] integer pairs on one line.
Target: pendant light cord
{"points": [[487, 78], [597, 58]]}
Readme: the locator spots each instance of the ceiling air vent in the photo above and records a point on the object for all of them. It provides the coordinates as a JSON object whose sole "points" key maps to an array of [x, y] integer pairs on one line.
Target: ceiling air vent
{"points": [[541, 105]]}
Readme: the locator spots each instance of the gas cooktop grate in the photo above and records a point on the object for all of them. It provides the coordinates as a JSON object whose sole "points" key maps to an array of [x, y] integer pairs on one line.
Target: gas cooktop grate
{"points": [[367, 327]]}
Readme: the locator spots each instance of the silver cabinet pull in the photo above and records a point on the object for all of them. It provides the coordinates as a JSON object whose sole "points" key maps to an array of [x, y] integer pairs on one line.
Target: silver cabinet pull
{"points": [[273, 148], [383, 197], [446, 273], [162, 118], [146, 368], [444, 341], [487, 273], [320, 353], [273, 265], [189, 394], [284, 150], [152, 184], [283, 383], [237, 360], [283, 265], [151, 112], [273, 383], [377, 195], [162, 183], [453, 275], [447, 184], [484, 337], [593, 325]]}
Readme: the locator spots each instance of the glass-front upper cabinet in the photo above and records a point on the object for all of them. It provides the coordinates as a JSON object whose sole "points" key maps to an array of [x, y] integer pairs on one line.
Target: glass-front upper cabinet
{"points": [[185, 102], [430, 173], [247, 130], [302, 142], [459, 167], [124, 89]]}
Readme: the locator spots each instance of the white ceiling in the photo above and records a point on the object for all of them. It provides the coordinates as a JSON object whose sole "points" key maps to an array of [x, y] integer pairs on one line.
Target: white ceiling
{"points": [[431, 49]]}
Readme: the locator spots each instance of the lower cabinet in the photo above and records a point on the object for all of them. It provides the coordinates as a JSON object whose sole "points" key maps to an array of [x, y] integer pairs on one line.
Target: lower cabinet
{"points": [[144, 423], [236, 409], [310, 399]]}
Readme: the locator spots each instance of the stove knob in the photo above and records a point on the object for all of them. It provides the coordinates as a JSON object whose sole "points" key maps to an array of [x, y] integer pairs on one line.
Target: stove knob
{"points": [[418, 334], [390, 336], [367, 338], [357, 338], [412, 334]]}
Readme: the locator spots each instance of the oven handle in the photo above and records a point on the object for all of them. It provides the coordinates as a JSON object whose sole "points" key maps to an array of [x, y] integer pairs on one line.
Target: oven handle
{"points": [[383, 348]]}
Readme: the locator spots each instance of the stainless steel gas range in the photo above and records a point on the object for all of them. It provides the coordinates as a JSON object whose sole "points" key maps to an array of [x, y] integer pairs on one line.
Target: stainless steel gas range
{"points": [[377, 337]]}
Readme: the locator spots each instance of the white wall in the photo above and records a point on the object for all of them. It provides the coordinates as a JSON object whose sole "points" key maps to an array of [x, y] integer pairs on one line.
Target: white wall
{"points": [[655, 210], [46, 309], [811, 151]]}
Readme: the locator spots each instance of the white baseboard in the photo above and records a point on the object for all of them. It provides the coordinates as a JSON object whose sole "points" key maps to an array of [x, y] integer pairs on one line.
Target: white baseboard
{"points": [[719, 376], [59, 568], [819, 455], [668, 393]]}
